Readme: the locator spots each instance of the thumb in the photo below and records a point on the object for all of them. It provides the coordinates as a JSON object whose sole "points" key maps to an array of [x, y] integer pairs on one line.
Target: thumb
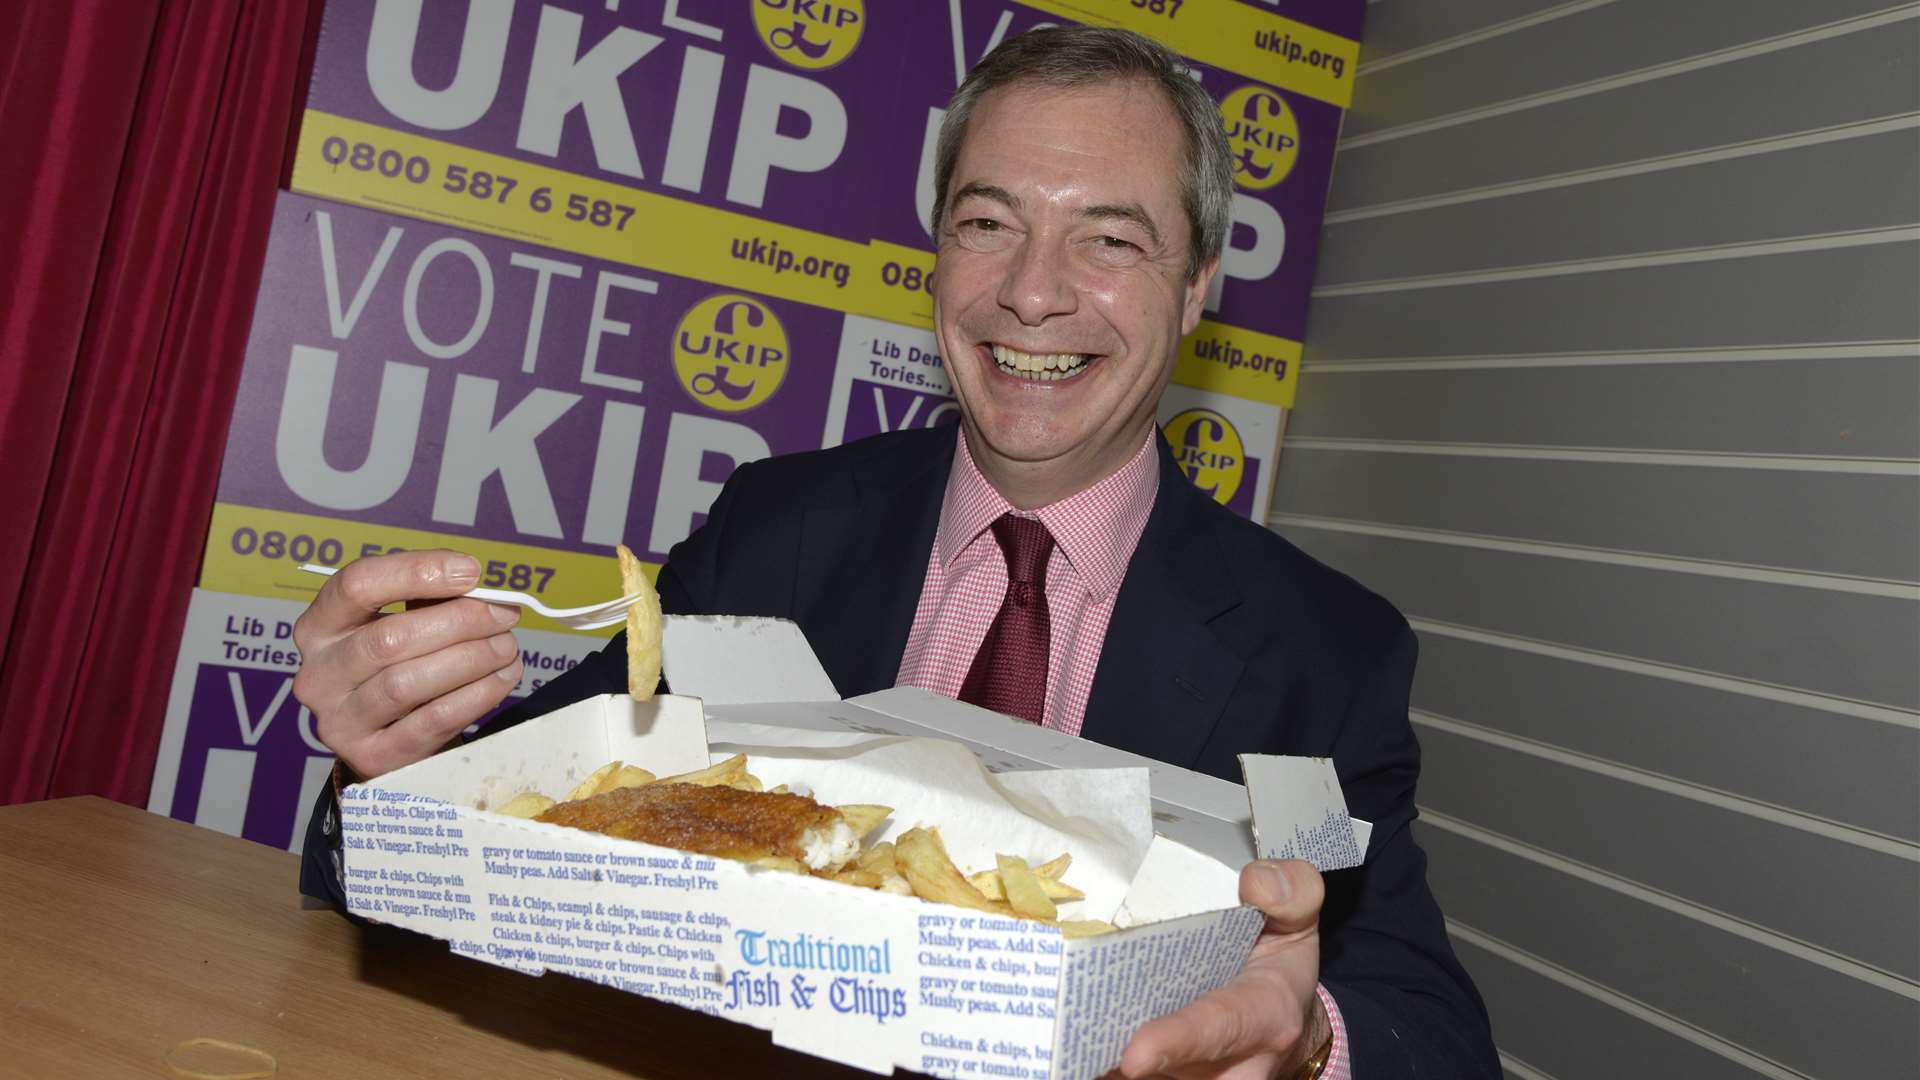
{"points": [[1289, 891]]}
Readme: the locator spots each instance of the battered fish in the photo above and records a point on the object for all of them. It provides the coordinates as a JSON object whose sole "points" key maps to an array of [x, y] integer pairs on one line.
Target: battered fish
{"points": [[719, 821]]}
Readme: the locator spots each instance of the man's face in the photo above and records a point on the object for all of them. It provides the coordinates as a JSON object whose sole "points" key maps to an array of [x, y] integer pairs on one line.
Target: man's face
{"points": [[1061, 293]]}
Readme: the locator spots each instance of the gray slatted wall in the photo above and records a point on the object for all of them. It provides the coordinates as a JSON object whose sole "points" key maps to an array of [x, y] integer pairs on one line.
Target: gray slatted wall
{"points": [[1613, 386]]}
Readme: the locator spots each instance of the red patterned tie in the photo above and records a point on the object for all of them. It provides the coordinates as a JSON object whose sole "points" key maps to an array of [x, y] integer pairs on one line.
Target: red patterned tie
{"points": [[1009, 673]]}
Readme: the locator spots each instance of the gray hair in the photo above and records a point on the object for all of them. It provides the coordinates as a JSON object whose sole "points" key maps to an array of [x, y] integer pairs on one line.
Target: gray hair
{"points": [[1073, 56]]}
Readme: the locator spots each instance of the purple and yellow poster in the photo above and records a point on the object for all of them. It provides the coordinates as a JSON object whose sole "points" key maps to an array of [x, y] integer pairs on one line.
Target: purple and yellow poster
{"points": [[551, 269]]}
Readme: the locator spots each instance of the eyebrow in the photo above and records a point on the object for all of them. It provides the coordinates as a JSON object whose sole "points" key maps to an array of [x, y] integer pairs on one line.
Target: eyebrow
{"points": [[975, 189], [1131, 212]]}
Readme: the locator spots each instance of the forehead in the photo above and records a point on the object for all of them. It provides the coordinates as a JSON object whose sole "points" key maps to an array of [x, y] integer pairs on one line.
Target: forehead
{"points": [[1094, 143]]}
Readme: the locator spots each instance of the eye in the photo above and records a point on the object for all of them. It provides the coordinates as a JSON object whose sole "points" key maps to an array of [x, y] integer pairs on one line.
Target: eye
{"points": [[983, 234], [1109, 250]]}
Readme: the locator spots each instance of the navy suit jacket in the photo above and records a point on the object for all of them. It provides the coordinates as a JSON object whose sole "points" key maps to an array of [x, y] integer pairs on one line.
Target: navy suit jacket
{"points": [[1224, 639]]}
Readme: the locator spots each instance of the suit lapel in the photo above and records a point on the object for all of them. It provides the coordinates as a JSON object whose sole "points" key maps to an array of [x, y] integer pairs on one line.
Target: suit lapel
{"points": [[1164, 674], [862, 564]]}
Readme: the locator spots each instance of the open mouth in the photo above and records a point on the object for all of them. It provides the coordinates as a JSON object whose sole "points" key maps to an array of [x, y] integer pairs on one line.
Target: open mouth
{"points": [[1040, 367]]}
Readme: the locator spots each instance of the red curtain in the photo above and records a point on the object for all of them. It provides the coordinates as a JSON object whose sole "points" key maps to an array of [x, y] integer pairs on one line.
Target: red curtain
{"points": [[143, 144]]}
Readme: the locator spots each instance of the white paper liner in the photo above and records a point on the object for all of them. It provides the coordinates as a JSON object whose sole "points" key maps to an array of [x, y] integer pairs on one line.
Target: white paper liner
{"points": [[1101, 816]]}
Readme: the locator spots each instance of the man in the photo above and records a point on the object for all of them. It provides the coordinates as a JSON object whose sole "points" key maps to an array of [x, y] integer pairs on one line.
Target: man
{"points": [[1050, 562]]}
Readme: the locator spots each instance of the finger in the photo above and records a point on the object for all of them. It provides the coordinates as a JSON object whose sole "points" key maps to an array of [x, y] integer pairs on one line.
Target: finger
{"points": [[406, 636], [346, 723], [398, 689], [1289, 891], [329, 676], [424, 731], [354, 596], [1248, 1016]]}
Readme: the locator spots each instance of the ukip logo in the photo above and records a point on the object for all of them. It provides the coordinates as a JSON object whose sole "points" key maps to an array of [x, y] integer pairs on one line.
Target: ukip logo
{"points": [[730, 352], [1207, 448], [810, 34], [1262, 134]]}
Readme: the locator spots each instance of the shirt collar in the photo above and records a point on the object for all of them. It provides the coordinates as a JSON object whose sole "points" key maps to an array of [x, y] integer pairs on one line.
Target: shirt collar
{"points": [[1096, 529]]}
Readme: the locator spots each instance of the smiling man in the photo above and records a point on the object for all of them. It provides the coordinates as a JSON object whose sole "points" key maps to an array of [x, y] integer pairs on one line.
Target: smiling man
{"points": [[1049, 561]]}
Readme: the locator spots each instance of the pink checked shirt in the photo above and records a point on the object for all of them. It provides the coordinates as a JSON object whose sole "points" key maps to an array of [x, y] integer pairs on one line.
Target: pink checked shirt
{"points": [[1094, 535]]}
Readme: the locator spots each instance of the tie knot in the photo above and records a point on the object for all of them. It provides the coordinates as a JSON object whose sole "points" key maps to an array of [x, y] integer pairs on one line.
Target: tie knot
{"points": [[1026, 544]]}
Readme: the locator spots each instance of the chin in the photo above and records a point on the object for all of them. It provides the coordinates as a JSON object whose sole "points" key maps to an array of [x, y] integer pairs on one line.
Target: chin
{"points": [[1029, 440]]}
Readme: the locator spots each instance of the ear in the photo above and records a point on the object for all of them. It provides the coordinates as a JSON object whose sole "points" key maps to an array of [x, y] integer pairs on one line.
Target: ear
{"points": [[1195, 298]]}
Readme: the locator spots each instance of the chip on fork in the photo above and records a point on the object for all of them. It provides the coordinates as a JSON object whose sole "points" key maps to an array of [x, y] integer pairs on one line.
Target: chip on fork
{"points": [[588, 617]]}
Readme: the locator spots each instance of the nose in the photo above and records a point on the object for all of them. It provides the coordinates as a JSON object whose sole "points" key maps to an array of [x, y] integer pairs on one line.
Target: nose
{"points": [[1037, 286]]}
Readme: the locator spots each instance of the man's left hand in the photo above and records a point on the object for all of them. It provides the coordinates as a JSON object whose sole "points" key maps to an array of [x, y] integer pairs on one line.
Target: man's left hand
{"points": [[1268, 1020]]}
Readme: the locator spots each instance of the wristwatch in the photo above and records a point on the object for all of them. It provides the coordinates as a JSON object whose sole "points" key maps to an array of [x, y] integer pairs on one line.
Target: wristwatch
{"points": [[1311, 1068]]}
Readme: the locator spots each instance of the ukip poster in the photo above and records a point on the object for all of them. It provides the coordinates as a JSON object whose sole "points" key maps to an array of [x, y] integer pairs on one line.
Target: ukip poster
{"points": [[551, 269]]}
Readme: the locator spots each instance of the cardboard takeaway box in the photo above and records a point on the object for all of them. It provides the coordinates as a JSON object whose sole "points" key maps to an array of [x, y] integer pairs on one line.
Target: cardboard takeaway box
{"points": [[862, 977]]}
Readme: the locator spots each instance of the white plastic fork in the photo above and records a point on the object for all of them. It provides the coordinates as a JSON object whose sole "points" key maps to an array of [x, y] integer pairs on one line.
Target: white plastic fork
{"points": [[588, 617]]}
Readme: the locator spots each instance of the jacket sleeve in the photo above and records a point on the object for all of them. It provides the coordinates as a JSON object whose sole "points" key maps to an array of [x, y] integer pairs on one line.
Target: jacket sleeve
{"points": [[321, 874], [1409, 1007]]}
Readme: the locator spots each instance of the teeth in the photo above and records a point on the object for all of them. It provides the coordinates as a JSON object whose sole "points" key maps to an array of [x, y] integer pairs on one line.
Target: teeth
{"points": [[1041, 367]]}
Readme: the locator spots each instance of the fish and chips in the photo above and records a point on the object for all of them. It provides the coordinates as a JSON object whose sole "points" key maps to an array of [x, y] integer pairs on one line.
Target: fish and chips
{"points": [[726, 812]]}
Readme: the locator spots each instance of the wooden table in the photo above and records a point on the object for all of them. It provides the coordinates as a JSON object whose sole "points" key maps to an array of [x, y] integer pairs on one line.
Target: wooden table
{"points": [[123, 933]]}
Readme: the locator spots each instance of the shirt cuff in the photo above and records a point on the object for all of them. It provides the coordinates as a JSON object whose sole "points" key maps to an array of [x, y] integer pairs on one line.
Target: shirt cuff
{"points": [[1339, 1065]]}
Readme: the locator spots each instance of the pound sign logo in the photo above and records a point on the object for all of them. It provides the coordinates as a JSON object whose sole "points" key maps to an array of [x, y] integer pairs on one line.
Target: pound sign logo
{"points": [[811, 34], [730, 352], [1263, 135], [1207, 448]]}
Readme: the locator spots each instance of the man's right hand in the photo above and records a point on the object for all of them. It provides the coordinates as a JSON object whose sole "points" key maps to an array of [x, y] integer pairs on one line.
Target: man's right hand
{"points": [[388, 690]]}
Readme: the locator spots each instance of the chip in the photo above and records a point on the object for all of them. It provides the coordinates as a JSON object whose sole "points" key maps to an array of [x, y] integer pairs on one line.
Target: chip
{"points": [[924, 863], [601, 780], [644, 625], [721, 775], [879, 860], [1078, 928], [863, 818], [1023, 889], [630, 776], [988, 881], [877, 857], [527, 804], [865, 879]]}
